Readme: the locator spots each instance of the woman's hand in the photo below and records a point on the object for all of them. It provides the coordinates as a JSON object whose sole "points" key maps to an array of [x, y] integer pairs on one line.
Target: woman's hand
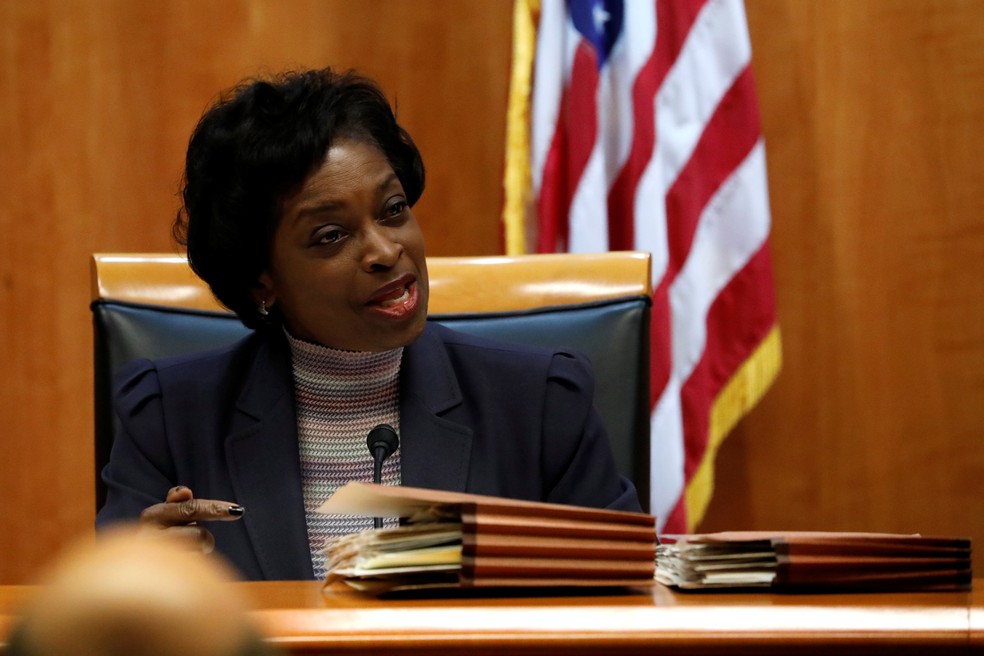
{"points": [[180, 513]]}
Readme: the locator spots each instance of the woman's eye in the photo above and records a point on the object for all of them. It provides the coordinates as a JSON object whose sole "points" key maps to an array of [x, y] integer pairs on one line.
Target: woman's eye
{"points": [[329, 236], [396, 208]]}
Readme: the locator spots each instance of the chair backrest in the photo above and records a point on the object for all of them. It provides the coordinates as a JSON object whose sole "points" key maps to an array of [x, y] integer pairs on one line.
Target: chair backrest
{"points": [[148, 305]]}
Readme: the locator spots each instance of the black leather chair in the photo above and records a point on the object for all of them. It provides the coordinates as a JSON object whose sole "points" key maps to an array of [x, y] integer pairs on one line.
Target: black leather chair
{"points": [[151, 305]]}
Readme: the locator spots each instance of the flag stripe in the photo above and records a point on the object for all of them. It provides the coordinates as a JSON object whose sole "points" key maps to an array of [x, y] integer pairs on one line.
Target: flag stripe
{"points": [[551, 67], [728, 345], [739, 347], [741, 393], [715, 57], [671, 28], [632, 53], [683, 109], [570, 150], [588, 214], [645, 134], [730, 134], [734, 227]]}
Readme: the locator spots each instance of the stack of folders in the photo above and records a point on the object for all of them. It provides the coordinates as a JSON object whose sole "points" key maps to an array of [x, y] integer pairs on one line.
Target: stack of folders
{"points": [[457, 540], [814, 561]]}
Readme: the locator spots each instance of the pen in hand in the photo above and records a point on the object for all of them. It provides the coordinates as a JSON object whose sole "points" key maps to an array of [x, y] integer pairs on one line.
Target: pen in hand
{"points": [[180, 513]]}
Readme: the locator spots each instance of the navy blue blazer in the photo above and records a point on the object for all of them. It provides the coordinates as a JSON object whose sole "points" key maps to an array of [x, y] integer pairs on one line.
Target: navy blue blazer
{"points": [[475, 416]]}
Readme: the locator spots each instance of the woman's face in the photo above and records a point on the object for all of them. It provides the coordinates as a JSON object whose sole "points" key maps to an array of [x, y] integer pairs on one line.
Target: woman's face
{"points": [[347, 267]]}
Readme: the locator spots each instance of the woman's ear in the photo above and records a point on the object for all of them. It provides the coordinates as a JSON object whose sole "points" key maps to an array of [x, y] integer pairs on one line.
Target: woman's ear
{"points": [[263, 295]]}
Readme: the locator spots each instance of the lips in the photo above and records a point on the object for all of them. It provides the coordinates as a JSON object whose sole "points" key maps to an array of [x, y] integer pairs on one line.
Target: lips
{"points": [[390, 302], [397, 299], [392, 291]]}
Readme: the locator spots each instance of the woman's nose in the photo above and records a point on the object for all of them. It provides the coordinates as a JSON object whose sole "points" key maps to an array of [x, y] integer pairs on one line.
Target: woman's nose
{"points": [[381, 250]]}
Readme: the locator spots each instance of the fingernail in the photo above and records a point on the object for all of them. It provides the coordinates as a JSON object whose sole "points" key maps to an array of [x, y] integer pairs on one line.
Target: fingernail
{"points": [[236, 510]]}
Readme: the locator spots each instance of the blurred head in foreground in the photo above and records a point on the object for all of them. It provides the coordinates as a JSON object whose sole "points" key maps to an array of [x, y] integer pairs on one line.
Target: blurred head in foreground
{"points": [[132, 593]]}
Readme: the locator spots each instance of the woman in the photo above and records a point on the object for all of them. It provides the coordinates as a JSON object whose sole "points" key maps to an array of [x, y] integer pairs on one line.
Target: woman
{"points": [[297, 213]]}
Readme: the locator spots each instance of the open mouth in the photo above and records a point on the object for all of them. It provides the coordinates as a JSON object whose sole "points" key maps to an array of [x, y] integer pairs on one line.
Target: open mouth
{"points": [[396, 300]]}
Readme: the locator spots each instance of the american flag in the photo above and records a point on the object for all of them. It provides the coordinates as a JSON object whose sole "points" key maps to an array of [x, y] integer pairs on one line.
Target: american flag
{"points": [[633, 125]]}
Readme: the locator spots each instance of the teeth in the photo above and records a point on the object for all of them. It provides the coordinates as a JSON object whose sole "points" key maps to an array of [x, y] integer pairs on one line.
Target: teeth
{"points": [[396, 301]]}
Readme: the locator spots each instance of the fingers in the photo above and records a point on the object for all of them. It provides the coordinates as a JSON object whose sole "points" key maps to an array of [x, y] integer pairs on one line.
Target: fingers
{"points": [[195, 537], [179, 493], [181, 508]]}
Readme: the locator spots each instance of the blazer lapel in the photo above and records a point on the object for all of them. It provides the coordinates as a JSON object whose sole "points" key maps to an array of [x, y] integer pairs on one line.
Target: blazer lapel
{"points": [[264, 462], [435, 452], [264, 466]]}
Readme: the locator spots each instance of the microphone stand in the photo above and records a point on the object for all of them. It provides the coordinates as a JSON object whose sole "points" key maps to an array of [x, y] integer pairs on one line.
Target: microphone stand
{"points": [[382, 442]]}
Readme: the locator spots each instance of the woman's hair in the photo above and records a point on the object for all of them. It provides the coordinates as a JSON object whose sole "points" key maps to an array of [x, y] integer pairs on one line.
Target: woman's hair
{"points": [[260, 141]]}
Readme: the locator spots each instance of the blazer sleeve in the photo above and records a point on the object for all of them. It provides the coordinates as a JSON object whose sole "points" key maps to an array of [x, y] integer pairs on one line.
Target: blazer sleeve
{"points": [[580, 468], [140, 469]]}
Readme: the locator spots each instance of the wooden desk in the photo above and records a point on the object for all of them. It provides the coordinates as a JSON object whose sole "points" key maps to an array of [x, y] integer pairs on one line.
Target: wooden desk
{"points": [[299, 618]]}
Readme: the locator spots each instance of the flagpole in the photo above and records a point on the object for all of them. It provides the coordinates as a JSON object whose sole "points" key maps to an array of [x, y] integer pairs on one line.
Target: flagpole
{"points": [[516, 180]]}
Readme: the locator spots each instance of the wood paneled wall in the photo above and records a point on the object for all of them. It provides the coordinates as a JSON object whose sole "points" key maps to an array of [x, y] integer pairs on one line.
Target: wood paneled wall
{"points": [[872, 111], [97, 101]]}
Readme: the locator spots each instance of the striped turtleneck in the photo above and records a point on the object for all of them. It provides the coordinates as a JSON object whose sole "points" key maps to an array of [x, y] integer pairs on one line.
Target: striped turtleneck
{"points": [[340, 396]]}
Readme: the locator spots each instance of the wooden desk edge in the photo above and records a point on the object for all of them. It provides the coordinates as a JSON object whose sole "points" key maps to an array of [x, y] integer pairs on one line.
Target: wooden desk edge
{"points": [[975, 618], [298, 618]]}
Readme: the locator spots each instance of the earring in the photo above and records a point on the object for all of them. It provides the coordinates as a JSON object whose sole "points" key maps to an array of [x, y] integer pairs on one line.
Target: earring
{"points": [[263, 309]]}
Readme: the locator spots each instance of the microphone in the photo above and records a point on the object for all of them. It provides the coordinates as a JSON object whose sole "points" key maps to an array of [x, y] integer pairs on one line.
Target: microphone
{"points": [[382, 442]]}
